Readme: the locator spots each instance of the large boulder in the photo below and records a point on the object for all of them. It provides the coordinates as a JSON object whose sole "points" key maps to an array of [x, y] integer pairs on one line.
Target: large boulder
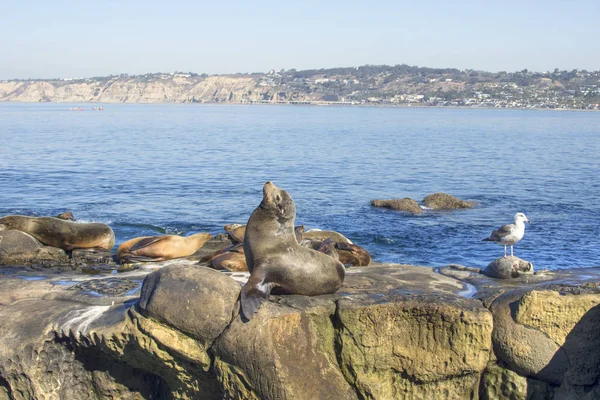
{"points": [[405, 204], [572, 321], [413, 346], [19, 248], [444, 201], [196, 300], [498, 383], [508, 267], [525, 350], [286, 351]]}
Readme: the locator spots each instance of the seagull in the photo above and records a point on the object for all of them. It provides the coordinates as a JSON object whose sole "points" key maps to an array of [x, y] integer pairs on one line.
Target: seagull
{"points": [[509, 234]]}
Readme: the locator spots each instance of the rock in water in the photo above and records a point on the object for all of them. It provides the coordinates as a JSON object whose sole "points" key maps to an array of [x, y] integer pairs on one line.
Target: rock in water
{"points": [[444, 201], [405, 204]]}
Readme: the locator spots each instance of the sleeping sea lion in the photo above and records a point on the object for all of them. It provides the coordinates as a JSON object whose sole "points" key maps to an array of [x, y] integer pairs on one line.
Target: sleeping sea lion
{"points": [[275, 259], [63, 234], [318, 234], [236, 232], [351, 254], [233, 260], [160, 248]]}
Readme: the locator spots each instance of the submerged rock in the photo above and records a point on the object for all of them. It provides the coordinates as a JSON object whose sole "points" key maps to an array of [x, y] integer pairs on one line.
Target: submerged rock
{"points": [[444, 201], [405, 204]]}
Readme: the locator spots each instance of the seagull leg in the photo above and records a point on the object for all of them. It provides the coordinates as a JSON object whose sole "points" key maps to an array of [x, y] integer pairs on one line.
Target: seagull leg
{"points": [[504, 251], [511, 251]]}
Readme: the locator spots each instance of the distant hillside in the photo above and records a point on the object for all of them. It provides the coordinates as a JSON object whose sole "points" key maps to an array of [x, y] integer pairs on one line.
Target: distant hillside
{"points": [[391, 85]]}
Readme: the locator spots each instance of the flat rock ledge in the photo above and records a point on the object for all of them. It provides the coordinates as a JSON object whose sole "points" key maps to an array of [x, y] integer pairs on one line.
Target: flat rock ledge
{"points": [[392, 331]]}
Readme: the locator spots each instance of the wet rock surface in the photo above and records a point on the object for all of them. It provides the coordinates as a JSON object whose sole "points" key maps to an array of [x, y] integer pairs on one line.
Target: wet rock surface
{"points": [[444, 201], [405, 204], [392, 331]]}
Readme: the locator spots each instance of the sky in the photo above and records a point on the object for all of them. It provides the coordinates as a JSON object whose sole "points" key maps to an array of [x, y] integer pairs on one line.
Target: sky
{"points": [[71, 39]]}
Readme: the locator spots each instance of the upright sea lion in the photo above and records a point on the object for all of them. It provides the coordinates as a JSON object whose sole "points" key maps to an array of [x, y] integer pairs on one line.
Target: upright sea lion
{"points": [[160, 248], [277, 261], [63, 234]]}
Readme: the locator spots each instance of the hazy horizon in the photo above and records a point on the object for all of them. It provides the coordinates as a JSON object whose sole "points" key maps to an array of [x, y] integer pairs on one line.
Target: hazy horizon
{"points": [[82, 39]]}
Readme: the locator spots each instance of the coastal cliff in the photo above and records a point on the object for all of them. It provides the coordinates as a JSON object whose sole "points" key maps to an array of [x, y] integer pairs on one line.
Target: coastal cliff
{"points": [[155, 89], [369, 84]]}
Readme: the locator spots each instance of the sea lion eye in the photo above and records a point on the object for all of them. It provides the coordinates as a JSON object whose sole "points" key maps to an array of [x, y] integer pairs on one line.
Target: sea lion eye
{"points": [[278, 198]]}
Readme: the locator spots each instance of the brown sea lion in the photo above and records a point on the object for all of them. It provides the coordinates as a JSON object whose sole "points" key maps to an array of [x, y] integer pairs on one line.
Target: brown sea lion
{"points": [[276, 260], [234, 261], [327, 246], [236, 232], [160, 248], [351, 254], [67, 216], [318, 234], [63, 234]]}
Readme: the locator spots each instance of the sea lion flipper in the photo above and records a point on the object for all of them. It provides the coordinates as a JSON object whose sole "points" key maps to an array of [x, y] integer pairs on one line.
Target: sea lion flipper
{"points": [[146, 242], [128, 258], [254, 293]]}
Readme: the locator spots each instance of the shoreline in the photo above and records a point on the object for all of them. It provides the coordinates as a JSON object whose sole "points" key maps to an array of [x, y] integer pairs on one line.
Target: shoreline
{"points": [[309, 104]]}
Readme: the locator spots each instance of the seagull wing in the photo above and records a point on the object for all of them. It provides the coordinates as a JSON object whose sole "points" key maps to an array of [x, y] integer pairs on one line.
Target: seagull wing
{"points": [[501, 232]]}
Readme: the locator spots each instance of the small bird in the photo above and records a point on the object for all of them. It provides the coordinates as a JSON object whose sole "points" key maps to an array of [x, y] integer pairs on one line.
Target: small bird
{"points": [[509, 234]]}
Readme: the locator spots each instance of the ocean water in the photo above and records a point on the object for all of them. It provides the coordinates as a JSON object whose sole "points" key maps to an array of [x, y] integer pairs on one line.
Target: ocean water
{"points": [[153, 169]]}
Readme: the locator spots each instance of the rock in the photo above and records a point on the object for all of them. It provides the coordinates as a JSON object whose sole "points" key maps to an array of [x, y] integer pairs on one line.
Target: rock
{"points": [[572, 321], [525, 350], [443, 201], [20, 248], [417, 346], [286, 351], [509, 267], [392, 331], [405, 204], [92, 256], [219, 242], [196, 300], [498, 383]]}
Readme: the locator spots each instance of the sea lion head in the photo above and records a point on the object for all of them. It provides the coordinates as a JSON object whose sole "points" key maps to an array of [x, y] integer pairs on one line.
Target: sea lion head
{"points": [[278, 203], [9, 222]]}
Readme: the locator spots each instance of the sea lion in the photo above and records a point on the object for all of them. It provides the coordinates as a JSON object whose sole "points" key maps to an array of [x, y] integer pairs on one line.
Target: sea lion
{"points": [[160, 248], [319, 234], [327, 246], [236, 232], [275, 259], [233, 260], [67, 216], [351, 254], [63, 234]]}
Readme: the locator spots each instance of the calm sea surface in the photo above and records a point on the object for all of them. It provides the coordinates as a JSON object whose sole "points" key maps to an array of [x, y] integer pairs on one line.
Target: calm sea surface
{"points": [[151, 169]]}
